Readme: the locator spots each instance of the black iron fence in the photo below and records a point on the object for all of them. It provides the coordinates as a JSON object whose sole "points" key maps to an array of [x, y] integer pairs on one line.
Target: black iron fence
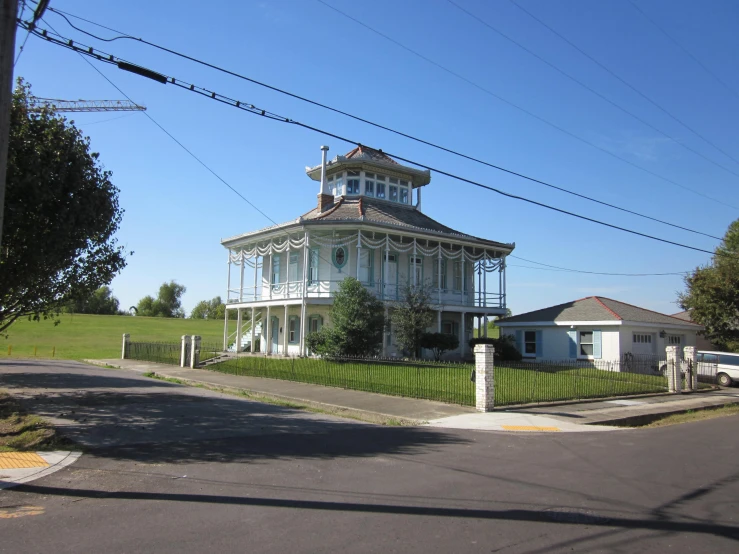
{"points": [[160, 352], [445, 382]]}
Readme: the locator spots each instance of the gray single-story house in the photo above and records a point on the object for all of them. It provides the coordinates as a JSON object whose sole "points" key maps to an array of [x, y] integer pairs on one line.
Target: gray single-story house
{"points": [[596, 328]]}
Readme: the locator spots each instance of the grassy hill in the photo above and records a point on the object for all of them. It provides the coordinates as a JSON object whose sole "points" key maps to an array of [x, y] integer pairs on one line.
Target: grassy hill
{"points": [[99, 336]]}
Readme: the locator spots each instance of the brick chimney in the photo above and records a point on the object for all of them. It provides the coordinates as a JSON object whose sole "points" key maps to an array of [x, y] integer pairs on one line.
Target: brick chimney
{"points": [[325, 202]]}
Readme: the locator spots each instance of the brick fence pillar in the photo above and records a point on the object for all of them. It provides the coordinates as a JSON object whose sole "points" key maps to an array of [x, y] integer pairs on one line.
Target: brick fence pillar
{"points": [[126, 345], [691, 377], [183, 350], [674, 369], [484, 377], [195, 352]]}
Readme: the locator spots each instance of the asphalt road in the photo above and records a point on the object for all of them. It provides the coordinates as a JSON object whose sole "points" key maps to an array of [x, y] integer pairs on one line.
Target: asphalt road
{"points": [[177, 469]]}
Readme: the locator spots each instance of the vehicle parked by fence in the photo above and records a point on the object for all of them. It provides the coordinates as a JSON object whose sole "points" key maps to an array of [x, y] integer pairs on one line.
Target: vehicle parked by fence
{"points": [[724, 365]]}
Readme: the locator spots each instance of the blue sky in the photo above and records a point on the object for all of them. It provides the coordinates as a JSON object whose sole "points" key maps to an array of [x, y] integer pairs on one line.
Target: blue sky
{"points": [[177, 212]]}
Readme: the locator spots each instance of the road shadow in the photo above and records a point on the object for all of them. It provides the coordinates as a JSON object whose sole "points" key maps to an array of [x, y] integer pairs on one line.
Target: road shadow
{"points": [[140, 419]]}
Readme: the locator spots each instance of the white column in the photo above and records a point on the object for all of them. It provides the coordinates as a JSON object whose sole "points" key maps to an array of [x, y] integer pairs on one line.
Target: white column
{"points": [[691, 376], [228, 280], [324, 149], [303, 305], [271, 267], [464, 278], [225, 329], [285, 333], [237, 340], [184, 343], [253, 331], [126, 345], [241, 286], [359, 251], [413, 265], [385, 269], [484, 378], [462, 342], [256, 267], [195, 352], [438, 277], [268, 334], [485, 281], [674, 370]]}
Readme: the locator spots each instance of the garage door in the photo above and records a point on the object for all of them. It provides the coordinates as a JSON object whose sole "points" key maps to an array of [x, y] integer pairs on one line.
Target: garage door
{"points": [[643, 343]]}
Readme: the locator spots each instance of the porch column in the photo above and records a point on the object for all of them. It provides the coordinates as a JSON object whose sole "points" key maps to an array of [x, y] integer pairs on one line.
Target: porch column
{"points": [[253, 332], [485, 326], [285, 333], [464, 279], [303, 304], [485, 282], [462, 345], [268, 334], [241, 281], [225, 330], [256, 266], [237, 341], [438, 277], [413, 265], [384, 269], [271, 267], [438, 320], [359, 251], [503, 291], [228, 280]]}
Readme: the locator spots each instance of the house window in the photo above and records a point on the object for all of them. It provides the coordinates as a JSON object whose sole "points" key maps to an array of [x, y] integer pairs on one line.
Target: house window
{"points": [[642, 339], [529, 343], [416, 266], [366, 266], [292, 273], [313, 266], [293, 329], [450, 328], [340, 256], [339, 184], [352, 186], [315, 322], [403, 196], [393, 193], [675, 340], [369, 187], [275, 270], [586, 343], [435, 277], [380, 192], [457, 279]]}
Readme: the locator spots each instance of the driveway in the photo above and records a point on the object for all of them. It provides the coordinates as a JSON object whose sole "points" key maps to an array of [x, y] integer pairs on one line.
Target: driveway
{"points": [[175, 469]]}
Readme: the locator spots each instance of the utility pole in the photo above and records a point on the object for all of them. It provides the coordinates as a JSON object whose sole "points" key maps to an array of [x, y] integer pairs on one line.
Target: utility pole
{"points": [[8, 14]]}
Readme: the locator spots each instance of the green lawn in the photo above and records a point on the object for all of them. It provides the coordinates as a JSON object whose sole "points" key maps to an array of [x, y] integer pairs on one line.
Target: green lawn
{"points": [[451, 382], [99, 336]]}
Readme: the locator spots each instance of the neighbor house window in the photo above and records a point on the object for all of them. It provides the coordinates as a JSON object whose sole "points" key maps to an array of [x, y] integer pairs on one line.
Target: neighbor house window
{"points": [[435, 276], [586, 343], [529, 342]]}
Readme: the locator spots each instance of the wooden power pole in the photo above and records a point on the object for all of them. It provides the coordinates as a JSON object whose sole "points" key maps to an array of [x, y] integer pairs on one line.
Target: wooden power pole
{"points": [[8, 14]]}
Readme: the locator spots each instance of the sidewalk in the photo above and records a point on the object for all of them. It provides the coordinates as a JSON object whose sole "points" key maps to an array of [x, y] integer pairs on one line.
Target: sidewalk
{"points": [[601, 415]]}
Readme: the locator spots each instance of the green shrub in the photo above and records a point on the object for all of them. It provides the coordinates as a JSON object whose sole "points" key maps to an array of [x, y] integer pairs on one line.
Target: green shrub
{"points": [[505, 347], [439, 343]]}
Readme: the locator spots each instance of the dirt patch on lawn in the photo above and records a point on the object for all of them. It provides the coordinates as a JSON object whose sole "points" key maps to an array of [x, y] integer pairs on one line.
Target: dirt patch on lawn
{"points": [[20, 431]]}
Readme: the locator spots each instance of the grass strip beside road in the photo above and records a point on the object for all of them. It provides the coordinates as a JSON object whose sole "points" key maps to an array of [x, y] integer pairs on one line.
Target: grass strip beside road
{"points": [[23, 432], [693, 415]]}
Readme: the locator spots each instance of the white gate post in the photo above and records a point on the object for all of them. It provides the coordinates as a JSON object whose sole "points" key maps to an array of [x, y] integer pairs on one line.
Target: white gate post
{"points": [[674, 369], [183, 350], [691, 377], [126, 345], [195, 352], [484, 377]]}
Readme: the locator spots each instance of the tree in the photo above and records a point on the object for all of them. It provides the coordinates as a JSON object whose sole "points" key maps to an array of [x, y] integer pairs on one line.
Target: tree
{"points": [[61, 215], [215, 309], [439, 343], [411, 317], [168, 302], [357, 323], [712, 294], [100, 302]]}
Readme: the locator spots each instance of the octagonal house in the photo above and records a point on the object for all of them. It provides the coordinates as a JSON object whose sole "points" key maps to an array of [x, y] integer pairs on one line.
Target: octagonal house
{"points": [[365, 225]]}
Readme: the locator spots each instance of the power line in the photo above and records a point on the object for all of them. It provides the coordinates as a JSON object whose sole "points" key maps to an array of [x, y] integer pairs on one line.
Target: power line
{"points": [[377, 125], [598, 94], [620, 79], [250, 108], [520, 108], [687, 52], [567, 269]]}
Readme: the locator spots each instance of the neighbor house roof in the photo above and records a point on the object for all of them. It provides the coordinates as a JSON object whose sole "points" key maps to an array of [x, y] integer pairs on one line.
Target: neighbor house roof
{"points": [[596, 308]]}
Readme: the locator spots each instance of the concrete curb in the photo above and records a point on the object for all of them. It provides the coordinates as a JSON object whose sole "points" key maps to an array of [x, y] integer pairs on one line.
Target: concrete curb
{"points": [[57, 459]]}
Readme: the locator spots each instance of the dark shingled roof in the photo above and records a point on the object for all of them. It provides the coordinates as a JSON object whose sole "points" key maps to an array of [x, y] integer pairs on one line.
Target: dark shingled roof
{"points": [[383, 212], [596, 308], [367, 153]]}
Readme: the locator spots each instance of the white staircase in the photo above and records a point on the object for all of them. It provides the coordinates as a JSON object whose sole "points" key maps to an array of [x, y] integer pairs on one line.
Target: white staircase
{"points": [[240, 340]]}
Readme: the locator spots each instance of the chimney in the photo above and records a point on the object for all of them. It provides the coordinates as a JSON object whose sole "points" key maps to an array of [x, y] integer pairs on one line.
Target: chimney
{"points": [[325, 202], [324, 149]]}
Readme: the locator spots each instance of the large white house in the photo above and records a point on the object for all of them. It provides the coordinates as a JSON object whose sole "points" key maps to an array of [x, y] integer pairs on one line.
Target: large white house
{"points": [[367, 224], [596, 328]]}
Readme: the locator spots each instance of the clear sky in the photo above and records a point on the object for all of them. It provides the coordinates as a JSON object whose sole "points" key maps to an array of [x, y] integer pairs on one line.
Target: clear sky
{"points": [[176, 212]]}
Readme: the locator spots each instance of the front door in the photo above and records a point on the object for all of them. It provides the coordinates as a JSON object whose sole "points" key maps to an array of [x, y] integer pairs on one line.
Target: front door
{"points": [[275, 335]]}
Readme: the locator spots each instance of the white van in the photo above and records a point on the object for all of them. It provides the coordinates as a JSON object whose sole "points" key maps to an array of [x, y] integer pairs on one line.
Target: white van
{"points": [[726, 365]]}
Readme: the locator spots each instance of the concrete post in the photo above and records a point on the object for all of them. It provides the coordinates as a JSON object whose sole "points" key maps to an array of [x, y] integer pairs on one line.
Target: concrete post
{"points": [[126, 346], [674, 371], [484, 377], [195, 352], [183, 350], [691, 377]]}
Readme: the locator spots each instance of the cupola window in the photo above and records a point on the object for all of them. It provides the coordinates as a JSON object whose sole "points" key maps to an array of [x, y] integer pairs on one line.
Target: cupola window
{"points": [[380, 187]]}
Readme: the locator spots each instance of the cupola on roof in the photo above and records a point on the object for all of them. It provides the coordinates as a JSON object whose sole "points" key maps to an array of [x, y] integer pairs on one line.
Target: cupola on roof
{"points": [[364, 157]]}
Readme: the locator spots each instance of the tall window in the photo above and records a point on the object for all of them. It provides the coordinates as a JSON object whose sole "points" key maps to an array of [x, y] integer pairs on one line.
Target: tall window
{"points": [[313, 266], [315, 323], [293, 329], [403, 195], [393, 193], [276, 270], [352, 182], [457, 279], [417, 268], [339, 184], [292, 273], [435, 277], [366, 263]]}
